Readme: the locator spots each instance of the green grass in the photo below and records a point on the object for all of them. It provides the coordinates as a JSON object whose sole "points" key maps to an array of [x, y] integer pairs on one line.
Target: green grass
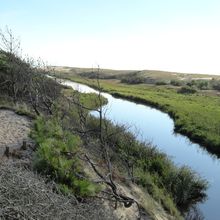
{"points": [[59, 149], [195, 115], [89, 100], [51, 157]]}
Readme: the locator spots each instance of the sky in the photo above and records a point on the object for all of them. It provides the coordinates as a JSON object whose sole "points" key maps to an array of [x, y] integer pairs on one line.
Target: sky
{"points": [[173, 35]]}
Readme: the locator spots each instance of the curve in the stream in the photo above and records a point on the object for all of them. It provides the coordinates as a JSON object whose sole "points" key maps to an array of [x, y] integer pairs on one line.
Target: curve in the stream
{"points": [[158, 128]]}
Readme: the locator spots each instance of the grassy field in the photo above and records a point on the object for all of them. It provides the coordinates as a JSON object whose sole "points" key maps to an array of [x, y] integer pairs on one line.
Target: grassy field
{"points": [[195, 115]]}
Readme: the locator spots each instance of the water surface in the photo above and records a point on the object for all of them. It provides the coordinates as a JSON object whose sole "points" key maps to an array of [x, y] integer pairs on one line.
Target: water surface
{"points": [[157, 127]]}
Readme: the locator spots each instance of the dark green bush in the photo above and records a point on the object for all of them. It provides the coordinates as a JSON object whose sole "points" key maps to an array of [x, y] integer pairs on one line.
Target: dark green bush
{"points": [[176, 83], [203, 85], [199, 84], [215, 84], [133, 79], [161, 83], [186, 187], [187, 90]]}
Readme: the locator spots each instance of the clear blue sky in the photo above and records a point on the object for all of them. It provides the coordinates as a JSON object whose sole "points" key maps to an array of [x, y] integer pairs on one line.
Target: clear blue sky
{"points": [[120, 34]]}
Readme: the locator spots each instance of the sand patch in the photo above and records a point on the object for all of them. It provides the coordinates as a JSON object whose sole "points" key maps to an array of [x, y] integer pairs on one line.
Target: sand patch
{"points": [[14, 129]]}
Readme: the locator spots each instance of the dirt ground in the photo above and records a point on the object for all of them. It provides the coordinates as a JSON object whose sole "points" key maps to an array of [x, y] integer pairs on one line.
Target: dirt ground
{"points": [[14, 129]]}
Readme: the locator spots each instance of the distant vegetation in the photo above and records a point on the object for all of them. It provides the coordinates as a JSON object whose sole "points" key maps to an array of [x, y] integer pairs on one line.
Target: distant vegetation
{"points": [[187, 90], [133, 80], [215, 84], [176, 83], [198, 81], [200, 84]]}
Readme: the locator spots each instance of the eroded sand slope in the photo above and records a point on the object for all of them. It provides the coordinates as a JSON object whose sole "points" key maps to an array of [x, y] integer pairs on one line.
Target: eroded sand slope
{"points": [[13, 130]]}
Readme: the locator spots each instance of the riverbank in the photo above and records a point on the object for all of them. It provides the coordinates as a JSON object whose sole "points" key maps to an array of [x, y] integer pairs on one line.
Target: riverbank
{"points": [[195, 115], [14, 130], [149, 180], [127, 148], [39, 197], [53, 140]]}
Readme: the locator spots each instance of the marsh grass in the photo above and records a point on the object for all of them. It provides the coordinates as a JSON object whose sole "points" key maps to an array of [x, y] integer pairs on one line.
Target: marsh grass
{"points": [[173, 187]]}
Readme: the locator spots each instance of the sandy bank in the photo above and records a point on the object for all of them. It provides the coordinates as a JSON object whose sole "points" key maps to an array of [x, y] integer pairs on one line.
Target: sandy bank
{"points": [[14, 129]]}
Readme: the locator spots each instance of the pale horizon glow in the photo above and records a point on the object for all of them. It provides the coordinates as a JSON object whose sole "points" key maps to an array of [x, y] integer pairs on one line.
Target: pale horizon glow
{"points": [[135, 35]]}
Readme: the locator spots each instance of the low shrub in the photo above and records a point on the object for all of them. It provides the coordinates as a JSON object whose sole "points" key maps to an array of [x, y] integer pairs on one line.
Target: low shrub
{"points": [[57, 157], [187, 90], [160, 83], [215, 84], [133, 79], [187, 189], [176, 83]]}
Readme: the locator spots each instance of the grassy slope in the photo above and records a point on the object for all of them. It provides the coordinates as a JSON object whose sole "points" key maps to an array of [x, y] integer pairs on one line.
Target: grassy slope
{"points": [[89, 100], [196, 115]]}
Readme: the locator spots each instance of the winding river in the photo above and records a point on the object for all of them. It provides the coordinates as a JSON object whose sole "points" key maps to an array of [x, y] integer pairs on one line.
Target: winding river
{"points": [[157, 127]]}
